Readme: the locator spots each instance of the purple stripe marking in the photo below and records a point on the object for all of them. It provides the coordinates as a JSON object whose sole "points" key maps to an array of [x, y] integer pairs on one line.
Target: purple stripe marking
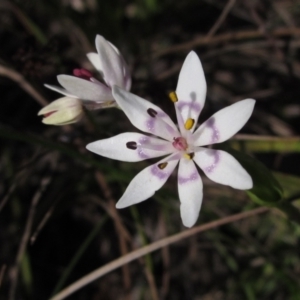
{"points": [[142, 154], [147, 141], [150, 124], [192, 105], [160, 174], [210, 123], [211, 168], [192, 177]]}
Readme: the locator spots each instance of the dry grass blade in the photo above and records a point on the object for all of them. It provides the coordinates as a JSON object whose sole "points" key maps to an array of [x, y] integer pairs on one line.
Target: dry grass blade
{"points": [[23, 83], [152, 247], [14, 272], [3, 268], [221, 18], [226, 37], [118, 226]]}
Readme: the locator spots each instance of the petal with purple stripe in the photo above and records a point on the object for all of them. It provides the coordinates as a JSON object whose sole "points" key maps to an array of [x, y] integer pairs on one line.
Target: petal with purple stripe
{"points": [[224, 123], [145, 116], [191, 88], [131, 147], [223, 168], [146, 183], [190, 192]]}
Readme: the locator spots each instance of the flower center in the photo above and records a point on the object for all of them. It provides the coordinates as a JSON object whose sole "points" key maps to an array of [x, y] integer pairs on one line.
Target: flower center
{"points": [[180, 144]]}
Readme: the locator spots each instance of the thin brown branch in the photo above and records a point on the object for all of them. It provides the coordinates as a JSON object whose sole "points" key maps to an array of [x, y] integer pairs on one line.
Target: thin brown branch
{"points": [[14, 272], [221, 18], [117, 263], [7, 196], [25, 85], [2, 272], [118, 225], [42, 224], [226, 37], [152, 285]]}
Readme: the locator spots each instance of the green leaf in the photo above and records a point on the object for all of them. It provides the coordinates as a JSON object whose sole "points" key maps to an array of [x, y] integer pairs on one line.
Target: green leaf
{"points": [[266, 189]]}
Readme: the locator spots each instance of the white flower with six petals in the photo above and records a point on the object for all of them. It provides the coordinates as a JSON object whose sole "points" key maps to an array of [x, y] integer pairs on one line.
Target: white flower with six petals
{"points": [[182, 144]]}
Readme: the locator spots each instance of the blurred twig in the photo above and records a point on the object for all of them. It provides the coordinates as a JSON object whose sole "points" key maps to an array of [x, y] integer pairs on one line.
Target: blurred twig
{"points": [[148, 258], [8, 194], [118, 225], [80, 251], [3, 268], [226, 37], [14, 272], [28, 24], [25, 85], [221, 18], [152, 247]]}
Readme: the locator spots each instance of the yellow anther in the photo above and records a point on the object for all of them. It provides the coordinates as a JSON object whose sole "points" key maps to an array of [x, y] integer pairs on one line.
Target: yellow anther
{"points": [[162, 165], [189, 155], [189, 123], [173, 97]]}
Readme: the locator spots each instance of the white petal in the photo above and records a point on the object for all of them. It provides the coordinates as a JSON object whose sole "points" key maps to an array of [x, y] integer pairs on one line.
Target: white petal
{"points": [[116, 147], [191, 88], [139, 113], [224, 124], [146, 183], [60, 90], [190, 192], [112, 63], [84, 89], [223, 168], [95, 61]]}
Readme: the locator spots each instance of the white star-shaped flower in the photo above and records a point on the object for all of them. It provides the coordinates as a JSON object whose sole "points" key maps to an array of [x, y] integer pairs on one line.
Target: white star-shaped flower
{"points": [[182, 144], [91, 92]]}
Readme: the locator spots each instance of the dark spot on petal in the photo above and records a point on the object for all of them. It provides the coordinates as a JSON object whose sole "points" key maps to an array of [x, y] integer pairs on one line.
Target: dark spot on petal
{"points": [[152, 112], [131, 145]]}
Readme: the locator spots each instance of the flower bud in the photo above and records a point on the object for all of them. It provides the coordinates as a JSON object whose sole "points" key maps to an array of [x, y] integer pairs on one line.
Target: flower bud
{"points": [[63, 111]]}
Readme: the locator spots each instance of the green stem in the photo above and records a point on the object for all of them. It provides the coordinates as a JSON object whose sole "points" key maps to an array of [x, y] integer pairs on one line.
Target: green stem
{"points": [[78, 255], [272, 145], [142, 235], [290, 210], [11, 134]]}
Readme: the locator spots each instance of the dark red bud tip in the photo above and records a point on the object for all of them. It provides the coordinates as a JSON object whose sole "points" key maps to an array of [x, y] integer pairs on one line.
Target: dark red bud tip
{"points": [[82, 73], [49, 113]]}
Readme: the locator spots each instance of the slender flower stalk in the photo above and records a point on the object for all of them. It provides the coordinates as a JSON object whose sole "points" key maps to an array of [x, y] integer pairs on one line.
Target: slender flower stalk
{"points": [[88, 90], [183, 144]]}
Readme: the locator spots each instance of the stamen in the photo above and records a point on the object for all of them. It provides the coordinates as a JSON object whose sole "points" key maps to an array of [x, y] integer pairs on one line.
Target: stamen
{"points": [[162, 165], [151, 112], [173, 97], [131, 145], [189, 123], [189, 155], [82, 73]]}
